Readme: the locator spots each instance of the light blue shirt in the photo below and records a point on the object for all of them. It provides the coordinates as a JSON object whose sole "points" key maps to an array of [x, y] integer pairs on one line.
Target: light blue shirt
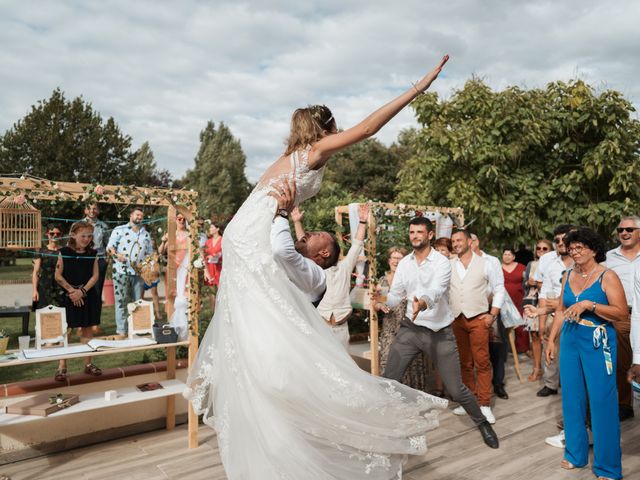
{"points": [[135, 246]]}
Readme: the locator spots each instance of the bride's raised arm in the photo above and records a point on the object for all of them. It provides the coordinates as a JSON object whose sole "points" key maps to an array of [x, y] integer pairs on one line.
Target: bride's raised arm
{"points": [[330, 144]]}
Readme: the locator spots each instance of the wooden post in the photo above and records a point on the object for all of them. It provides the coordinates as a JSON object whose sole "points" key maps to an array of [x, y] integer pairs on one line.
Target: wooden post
{"points": [[373, 272], [171, 399], [170, 286], [193, 316]]}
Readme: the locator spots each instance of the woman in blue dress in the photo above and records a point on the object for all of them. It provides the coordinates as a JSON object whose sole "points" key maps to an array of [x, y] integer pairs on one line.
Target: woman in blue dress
{"points": [[591, 300]]}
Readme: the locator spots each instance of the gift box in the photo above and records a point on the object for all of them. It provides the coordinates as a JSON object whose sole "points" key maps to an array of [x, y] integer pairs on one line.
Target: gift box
{"points": [[43, 405]]}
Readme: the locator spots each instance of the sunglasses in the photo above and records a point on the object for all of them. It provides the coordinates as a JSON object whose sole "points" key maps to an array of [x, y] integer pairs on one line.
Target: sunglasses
{"points": [[54, 234], [626, 229], [544, 249], [557, 241]]}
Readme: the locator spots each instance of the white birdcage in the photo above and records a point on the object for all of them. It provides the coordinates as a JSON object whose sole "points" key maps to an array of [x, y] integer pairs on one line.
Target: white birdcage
{"points": [[20, 224]]}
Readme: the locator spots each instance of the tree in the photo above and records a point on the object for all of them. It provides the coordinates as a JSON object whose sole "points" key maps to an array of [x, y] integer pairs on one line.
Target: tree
{"points": [[522, 161], [67, 141], [218, 175], [369, 168], [146, 170]]}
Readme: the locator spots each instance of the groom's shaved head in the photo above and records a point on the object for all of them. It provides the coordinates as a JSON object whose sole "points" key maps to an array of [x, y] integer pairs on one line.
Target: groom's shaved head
{"points": [[321, 247]]}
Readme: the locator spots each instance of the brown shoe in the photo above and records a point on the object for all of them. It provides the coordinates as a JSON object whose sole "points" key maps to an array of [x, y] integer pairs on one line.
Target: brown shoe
{"points": [[61, 375], [91, 369]]}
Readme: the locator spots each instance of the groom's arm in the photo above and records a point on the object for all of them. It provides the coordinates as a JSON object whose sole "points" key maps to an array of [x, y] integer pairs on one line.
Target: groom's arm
{"points": [[307, 275]]}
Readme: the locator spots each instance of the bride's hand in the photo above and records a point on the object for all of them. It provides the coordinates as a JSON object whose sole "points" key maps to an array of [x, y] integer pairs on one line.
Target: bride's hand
{"points": [[428, 79]]}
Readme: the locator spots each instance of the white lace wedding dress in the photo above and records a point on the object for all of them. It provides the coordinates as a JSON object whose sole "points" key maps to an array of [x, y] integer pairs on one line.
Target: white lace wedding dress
{"points": [[285, 398]]}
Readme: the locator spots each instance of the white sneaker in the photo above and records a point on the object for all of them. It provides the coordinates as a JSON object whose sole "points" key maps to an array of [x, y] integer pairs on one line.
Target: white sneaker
{"points": [[556, 441], [488, 414], [459, 410]]}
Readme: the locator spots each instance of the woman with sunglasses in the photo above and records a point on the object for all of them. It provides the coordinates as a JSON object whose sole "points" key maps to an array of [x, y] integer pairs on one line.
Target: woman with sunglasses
{"points": [[532, 324], [592, 300], [45, 289], [77, 272]]}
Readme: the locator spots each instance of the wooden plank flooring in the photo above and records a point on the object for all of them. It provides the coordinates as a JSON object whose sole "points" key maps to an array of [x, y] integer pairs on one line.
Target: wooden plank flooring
{"points": [[456, 450]]}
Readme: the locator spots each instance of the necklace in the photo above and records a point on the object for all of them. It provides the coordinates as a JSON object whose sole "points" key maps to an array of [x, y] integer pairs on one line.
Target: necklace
{"points": [[587, 277]]}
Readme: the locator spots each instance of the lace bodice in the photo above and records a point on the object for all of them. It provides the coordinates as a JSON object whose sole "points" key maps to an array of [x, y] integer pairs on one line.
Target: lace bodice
{"points": [[307, 181]]}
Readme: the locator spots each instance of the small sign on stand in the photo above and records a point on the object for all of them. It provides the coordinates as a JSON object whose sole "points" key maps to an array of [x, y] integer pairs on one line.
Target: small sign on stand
{"points": [[141, 318], [51, 327]]}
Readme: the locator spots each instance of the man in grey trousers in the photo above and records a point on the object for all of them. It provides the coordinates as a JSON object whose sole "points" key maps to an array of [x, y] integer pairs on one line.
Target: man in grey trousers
{"points": [[423, 278]]}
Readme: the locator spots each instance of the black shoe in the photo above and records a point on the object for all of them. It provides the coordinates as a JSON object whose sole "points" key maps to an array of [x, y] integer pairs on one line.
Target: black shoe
{"points": [[500, 391], [488, 435], [546, 391], [625, 412]]}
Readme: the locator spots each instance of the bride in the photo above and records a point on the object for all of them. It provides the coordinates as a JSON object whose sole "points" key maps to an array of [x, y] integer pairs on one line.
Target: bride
{"points": [[284, 397]]}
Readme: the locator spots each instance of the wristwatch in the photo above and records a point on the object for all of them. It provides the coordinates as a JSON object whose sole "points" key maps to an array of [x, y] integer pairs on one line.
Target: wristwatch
{"points": [[283, 213]]}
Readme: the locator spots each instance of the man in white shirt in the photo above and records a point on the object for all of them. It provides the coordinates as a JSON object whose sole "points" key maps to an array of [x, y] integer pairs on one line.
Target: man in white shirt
{"points": [[423, 278], [472, 278], [305, 260], [551, 268], [335, 306], [624, 260], [498, 337], [634, 371]]}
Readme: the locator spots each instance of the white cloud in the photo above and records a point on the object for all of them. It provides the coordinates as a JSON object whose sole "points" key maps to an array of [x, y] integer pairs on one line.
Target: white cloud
{"points": [[163, 69]]}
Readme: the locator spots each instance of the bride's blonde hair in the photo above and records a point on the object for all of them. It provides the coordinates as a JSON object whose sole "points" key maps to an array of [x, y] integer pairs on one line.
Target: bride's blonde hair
{"points": [[308, 126]]}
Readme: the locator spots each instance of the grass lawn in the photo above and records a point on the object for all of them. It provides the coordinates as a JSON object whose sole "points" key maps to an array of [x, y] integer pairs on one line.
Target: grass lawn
{"points": [[20, 271], [47, 369]]}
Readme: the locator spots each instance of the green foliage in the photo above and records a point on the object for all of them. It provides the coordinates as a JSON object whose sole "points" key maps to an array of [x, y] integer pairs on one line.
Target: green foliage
{"points": [[218, 175], [521, 161], [68, 141], [369, 168], [146, 170]]}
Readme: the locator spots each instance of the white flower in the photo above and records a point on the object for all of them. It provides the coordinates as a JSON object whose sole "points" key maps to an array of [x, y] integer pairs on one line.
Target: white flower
{"points": [[159, 229], [131, 307], [198, 263]]}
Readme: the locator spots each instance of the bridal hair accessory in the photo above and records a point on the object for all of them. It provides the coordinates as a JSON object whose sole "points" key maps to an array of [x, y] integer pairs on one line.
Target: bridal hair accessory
{"points": [[316, 114]]}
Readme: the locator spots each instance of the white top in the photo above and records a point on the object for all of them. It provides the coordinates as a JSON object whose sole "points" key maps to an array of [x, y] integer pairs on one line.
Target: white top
{"points": [[428, 280], [336, 299], [493, 274], [550, 270], [624, 268], [305, 274], [635, 318]]}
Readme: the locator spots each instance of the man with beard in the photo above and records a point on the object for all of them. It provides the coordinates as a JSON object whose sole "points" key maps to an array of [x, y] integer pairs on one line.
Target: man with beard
{"points": [[305, 260], [624, 260], [472, 278], [423, 278], [128, 244]]}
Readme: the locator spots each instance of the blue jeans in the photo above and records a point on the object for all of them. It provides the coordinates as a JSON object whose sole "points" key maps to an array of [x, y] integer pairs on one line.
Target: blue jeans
{"points": [[127, 289]]}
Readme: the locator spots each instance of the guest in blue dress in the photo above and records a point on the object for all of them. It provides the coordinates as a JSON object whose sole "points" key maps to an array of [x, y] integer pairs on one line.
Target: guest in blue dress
{"points": [[592, 300]]}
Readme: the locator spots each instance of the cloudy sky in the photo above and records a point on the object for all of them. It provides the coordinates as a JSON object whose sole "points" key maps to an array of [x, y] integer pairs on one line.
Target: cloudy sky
{"points": [[163, 69]]}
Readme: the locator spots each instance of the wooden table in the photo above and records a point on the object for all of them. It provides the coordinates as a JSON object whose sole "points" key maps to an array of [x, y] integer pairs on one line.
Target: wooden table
{"points": [[24, 312]]}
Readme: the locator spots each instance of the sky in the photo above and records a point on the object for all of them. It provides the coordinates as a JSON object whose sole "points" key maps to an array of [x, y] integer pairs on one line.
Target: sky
{"points": [[163, 69]]}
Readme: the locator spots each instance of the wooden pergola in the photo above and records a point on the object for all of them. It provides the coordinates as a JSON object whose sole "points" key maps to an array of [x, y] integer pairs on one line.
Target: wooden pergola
{"points": [[176, 201], [371, 250]]}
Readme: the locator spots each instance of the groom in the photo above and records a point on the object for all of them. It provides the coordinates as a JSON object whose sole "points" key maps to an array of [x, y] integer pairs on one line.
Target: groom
{"points": [[305, 260]]}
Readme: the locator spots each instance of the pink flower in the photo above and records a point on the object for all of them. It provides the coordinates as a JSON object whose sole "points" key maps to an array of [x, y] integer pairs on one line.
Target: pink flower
{"points": [[99, 190], [19, 199]]}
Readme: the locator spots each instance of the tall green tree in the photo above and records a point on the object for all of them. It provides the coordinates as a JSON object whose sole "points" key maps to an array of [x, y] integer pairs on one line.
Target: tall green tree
{"points": [[146, 169], [218, 175], [369, 168], [67, 140], [521, 161]]}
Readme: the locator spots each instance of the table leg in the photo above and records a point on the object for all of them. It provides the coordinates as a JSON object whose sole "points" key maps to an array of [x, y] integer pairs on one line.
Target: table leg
{"points": [[171, 400], [25, 323]]}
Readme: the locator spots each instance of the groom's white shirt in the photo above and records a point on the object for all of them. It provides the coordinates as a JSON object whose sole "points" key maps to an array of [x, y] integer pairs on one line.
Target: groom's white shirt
{"points": [[305, 274]]}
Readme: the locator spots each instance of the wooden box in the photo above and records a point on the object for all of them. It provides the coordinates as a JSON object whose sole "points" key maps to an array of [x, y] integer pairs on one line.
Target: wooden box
{"points": [[40, 405]]}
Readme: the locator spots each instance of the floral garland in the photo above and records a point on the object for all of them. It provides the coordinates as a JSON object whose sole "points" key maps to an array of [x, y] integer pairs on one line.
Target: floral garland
{"points": [[127, 195]]}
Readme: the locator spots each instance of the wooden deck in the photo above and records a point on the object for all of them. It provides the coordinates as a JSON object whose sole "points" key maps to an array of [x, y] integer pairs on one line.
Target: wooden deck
{"points": [[456, 450]]}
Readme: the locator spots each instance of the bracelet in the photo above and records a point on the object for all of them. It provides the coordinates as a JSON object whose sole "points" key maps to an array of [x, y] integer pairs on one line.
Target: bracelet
{"points": [[593, 307], [363, 222], [84, 291], [418, 91]]}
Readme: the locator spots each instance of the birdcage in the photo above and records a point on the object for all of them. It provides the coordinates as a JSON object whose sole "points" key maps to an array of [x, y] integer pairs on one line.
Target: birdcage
{"points": [[20, 224]]}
